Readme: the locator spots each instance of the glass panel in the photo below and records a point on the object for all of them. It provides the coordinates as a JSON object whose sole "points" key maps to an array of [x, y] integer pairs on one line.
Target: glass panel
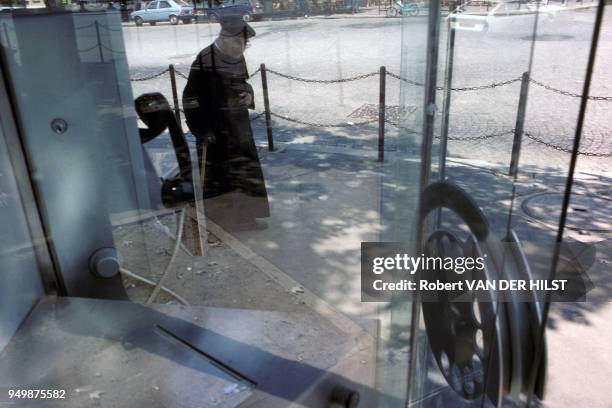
{"points": [[208, 257], [404, 135], [20, 284], [205, 190], [493, 101], [550, 130]]}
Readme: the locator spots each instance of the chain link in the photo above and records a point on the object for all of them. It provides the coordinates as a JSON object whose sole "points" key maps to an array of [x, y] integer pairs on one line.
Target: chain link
{"points": [[322, 81], [85, 26], [479, 87], [391, 74], [458, 89], [104, 26], [408, 81], [184, 76], [510, 132], [179, 73], [89, 49], [321, 125], [571, 94], [111, 50], [146, 78], [482, 137], [565, 149], [459, 139], [397, 125], [108, 28], [257, 115]]}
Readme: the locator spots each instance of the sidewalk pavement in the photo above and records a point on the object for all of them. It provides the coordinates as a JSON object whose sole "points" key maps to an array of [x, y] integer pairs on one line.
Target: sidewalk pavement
{"points": [[326, 200]]}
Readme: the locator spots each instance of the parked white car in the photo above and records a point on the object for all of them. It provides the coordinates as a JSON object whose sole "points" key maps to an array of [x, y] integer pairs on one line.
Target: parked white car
{"points": [[504, 16]]}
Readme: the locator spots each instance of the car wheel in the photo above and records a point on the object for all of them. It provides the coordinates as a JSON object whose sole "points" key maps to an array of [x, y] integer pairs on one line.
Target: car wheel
{"points": [[138, 21], [153, 23], [173, 20], [414, 11], [391, 12], [247, 17]]}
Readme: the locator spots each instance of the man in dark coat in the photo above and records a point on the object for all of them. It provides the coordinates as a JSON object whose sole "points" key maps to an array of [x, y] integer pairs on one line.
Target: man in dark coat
{"points": [[216, 100]]}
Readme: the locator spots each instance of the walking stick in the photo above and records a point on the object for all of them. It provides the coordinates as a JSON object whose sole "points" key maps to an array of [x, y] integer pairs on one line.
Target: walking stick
{"points": [[202, 154], [198, 205]]}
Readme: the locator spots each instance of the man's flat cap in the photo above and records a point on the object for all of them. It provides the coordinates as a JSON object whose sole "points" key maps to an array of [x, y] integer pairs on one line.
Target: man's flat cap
{"points": [[234, 24]]}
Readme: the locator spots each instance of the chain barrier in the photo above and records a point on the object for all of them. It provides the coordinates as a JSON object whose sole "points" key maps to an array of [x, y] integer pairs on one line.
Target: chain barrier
{"points": [[104, 26], [321, 81], [146, 78], [179, 73], [397, 125], [458, 89], [408, 81], [89, 49], [321, 125], [258, 115], [482, 137], [392, 75], [459, 139], [480, 87], [184, 76], [565, 149], [570, 94], [510, 132], [111, 50], [85, 26]]}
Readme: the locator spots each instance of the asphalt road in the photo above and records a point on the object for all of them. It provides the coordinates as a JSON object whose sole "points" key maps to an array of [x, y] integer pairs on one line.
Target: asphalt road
{"points": [[329, 48]]}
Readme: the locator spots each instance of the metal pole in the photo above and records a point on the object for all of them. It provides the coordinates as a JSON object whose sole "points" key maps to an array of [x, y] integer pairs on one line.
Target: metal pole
{"points": [[381, 114], [264, 84], [450, 53], [99, 41], [418, 339], [518, 128], [177, 111]]}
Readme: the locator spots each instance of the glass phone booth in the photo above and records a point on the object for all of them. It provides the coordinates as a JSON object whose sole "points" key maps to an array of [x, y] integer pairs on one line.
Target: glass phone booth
{"points": [[121, 285]]}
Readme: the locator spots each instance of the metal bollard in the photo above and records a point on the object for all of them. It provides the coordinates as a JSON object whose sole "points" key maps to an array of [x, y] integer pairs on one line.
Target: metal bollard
{"points": [[264, 85], [381, 114], [177, 111], [518, 128]]}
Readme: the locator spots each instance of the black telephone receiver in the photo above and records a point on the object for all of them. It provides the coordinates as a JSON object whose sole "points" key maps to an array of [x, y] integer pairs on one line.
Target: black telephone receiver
{"points": [[155, 112]]}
